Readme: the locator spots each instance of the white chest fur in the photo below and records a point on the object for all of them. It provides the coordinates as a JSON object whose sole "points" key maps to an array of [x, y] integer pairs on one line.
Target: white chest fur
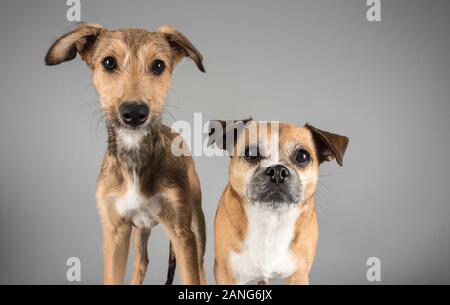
{"points": [[265, 253], [140, 210]]}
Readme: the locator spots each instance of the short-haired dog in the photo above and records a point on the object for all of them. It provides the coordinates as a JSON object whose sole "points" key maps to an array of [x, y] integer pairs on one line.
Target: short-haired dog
{"points": [[266, 225]]}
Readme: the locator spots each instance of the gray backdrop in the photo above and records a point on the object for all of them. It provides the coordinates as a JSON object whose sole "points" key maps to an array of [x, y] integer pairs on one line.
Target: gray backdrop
{"points": [[385, 85]]}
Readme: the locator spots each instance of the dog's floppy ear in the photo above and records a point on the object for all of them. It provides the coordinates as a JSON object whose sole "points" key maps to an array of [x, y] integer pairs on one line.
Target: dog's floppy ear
{"points": [[79, 41], [223, 132], [182, 46], [329, 145]]}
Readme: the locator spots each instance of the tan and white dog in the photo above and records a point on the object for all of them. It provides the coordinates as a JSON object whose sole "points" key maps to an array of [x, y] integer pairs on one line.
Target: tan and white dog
{"points": [[141, 183], [266, 224]]}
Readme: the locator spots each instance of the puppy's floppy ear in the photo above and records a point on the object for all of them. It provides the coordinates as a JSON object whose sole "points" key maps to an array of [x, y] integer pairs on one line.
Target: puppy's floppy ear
{"points": [[79, 41], [223, 132], [182, 46], [329, 145]]}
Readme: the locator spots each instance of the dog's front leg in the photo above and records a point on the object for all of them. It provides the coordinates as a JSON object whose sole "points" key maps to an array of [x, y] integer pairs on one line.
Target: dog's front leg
{"points": [[116, 246], [140, 240], [185, 247]]}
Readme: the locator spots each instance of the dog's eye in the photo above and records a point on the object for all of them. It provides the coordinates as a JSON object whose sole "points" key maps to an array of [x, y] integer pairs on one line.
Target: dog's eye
{"points": [[158, 67], [252, 154], [109, 63], [302, 157]]}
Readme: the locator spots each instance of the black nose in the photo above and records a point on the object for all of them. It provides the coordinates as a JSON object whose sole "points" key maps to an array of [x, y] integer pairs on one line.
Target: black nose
{"points": [[133, 113], [277, 173]]}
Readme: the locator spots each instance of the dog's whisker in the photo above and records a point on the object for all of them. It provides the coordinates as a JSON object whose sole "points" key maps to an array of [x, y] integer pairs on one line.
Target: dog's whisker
{"points": [[98, 116], [327, 187], [167, 112], [92, 103], [327, 175], [173, 106]]}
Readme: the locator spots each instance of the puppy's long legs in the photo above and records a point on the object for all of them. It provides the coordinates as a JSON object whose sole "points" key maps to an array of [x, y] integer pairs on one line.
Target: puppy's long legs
{"points": [[185, 247], [140, 240], [116, 247], [198, 227], [198, 219]]}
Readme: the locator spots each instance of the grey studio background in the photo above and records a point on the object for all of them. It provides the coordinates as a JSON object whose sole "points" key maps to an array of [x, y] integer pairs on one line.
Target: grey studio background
{"points": [[386, 85]]}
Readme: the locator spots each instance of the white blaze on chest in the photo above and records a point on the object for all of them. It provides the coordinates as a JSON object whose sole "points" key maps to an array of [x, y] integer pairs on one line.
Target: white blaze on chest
{"points": [[130, 138], [265, 252], [140, 210]]}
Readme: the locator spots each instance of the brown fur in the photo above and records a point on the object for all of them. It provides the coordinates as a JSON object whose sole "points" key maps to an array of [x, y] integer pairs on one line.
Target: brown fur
{"points": [[231, 223], [158, 170]]}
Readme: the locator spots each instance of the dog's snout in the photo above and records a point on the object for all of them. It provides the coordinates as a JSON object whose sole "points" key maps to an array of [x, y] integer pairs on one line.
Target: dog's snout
{"points": [[134, 113], [278, 173]]}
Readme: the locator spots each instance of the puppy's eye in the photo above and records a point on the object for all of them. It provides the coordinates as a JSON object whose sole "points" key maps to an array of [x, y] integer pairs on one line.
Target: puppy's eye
{"points": [[302, 157], [158, 67], [252, 154], [109, 63]]}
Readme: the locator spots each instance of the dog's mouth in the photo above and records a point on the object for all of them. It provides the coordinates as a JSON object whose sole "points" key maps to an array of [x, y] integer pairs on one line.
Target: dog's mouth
{"points": [[276, 197], [143, 127]]}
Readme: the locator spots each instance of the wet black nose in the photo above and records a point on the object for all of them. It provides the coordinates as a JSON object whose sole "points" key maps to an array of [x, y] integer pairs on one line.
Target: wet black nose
{"points": [[134, 113], [277, 173]]}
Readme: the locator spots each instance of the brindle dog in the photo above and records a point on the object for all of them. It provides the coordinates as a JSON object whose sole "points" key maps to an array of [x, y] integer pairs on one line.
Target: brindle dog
{"points": [[141, 183]]}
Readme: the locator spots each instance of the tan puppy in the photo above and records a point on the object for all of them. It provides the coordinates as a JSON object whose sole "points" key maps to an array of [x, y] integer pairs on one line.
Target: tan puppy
{"points": [[266, 223], [141, 182]]}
